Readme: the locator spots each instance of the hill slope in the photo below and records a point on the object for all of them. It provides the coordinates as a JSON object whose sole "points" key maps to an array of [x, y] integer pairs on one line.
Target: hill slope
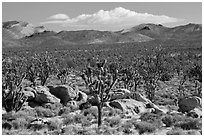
{"points": [[185, 32]]}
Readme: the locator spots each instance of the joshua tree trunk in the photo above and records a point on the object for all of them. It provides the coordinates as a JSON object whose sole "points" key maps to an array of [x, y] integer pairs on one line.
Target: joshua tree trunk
{"points": [[99, 115]]}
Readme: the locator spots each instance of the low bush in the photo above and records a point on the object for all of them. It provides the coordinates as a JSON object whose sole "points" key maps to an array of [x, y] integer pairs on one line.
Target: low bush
{"points": [[68, 119], [168, 120], [151, 118], [106, 130], [143, 127], [189, 123], [69, 130], [25, 112], [55, 132], [92, 110], [64, 111], [20, 123], [54, 125], [8, 117], [71, 107], [6, 125], [126, 127], [166, 77], [194, 132], [82, 131], [86, 123], [54, 107], [176, 131], [43, 112], [37, 127], [112, 112], [90, 117], [78, 118], [113, 121]]}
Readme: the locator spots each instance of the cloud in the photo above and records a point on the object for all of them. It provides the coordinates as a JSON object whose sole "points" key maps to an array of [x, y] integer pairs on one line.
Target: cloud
{"points": [[58, 17], [115, 19]]}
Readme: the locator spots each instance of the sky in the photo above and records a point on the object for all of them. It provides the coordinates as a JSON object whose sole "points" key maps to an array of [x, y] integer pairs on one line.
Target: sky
{"points": [[111, 16]]}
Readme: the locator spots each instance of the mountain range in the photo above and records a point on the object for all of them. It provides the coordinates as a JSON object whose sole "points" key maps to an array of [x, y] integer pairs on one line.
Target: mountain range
{"points": [[20, 34]]}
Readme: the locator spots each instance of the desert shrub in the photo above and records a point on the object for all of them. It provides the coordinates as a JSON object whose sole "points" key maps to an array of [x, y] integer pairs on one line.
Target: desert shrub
{"points": [[186, 123], [179, 117], [92, 110], [69, 130], [54, 125], [54, 107], [20, 123], [126, 127], [37, 127], [164, 99], [68, 119], [43, 112], [85, 122], [189, 123], [78, 118], [112, 112], [151, 118], [64, 111], [143, 127], [106, 130], [8, 117], [55, 132], [176, 131], [166, 77], [71, 107], [90, 117], [6, 125], [113, 121], [193, 132], [168, 120], [27, 114], [83, 131]]}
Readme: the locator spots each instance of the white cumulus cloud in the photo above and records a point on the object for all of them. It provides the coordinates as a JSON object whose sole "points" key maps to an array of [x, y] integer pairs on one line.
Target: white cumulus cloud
{"points": [[58, 17], [115, 19]]}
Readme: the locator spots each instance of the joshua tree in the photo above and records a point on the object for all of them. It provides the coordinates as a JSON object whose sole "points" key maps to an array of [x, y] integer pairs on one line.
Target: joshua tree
{"points": [[12, 95], [100, 79]]}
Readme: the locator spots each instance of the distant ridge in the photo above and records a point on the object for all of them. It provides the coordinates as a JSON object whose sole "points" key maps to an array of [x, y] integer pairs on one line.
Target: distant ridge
{"points": [[19, 33]]}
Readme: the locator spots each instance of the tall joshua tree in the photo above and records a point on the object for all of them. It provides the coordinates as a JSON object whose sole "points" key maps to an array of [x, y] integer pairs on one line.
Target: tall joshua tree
{"points": [[100, 79]]}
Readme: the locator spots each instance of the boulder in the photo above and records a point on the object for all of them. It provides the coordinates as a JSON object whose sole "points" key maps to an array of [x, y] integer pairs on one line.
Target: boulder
{"points": [[130, 106], [156, 108], [64, 92], [91, 101], [3, 112], [30, 93], [44, 96], [73, 104], [119, 94], [187, 104], [149, 104], [195, 113], [139, 97], [81, 97]]}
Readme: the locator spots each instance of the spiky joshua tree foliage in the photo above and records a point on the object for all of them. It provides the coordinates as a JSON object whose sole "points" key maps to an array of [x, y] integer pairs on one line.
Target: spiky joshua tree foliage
{"points": [[100, 79], [12, 96]]}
